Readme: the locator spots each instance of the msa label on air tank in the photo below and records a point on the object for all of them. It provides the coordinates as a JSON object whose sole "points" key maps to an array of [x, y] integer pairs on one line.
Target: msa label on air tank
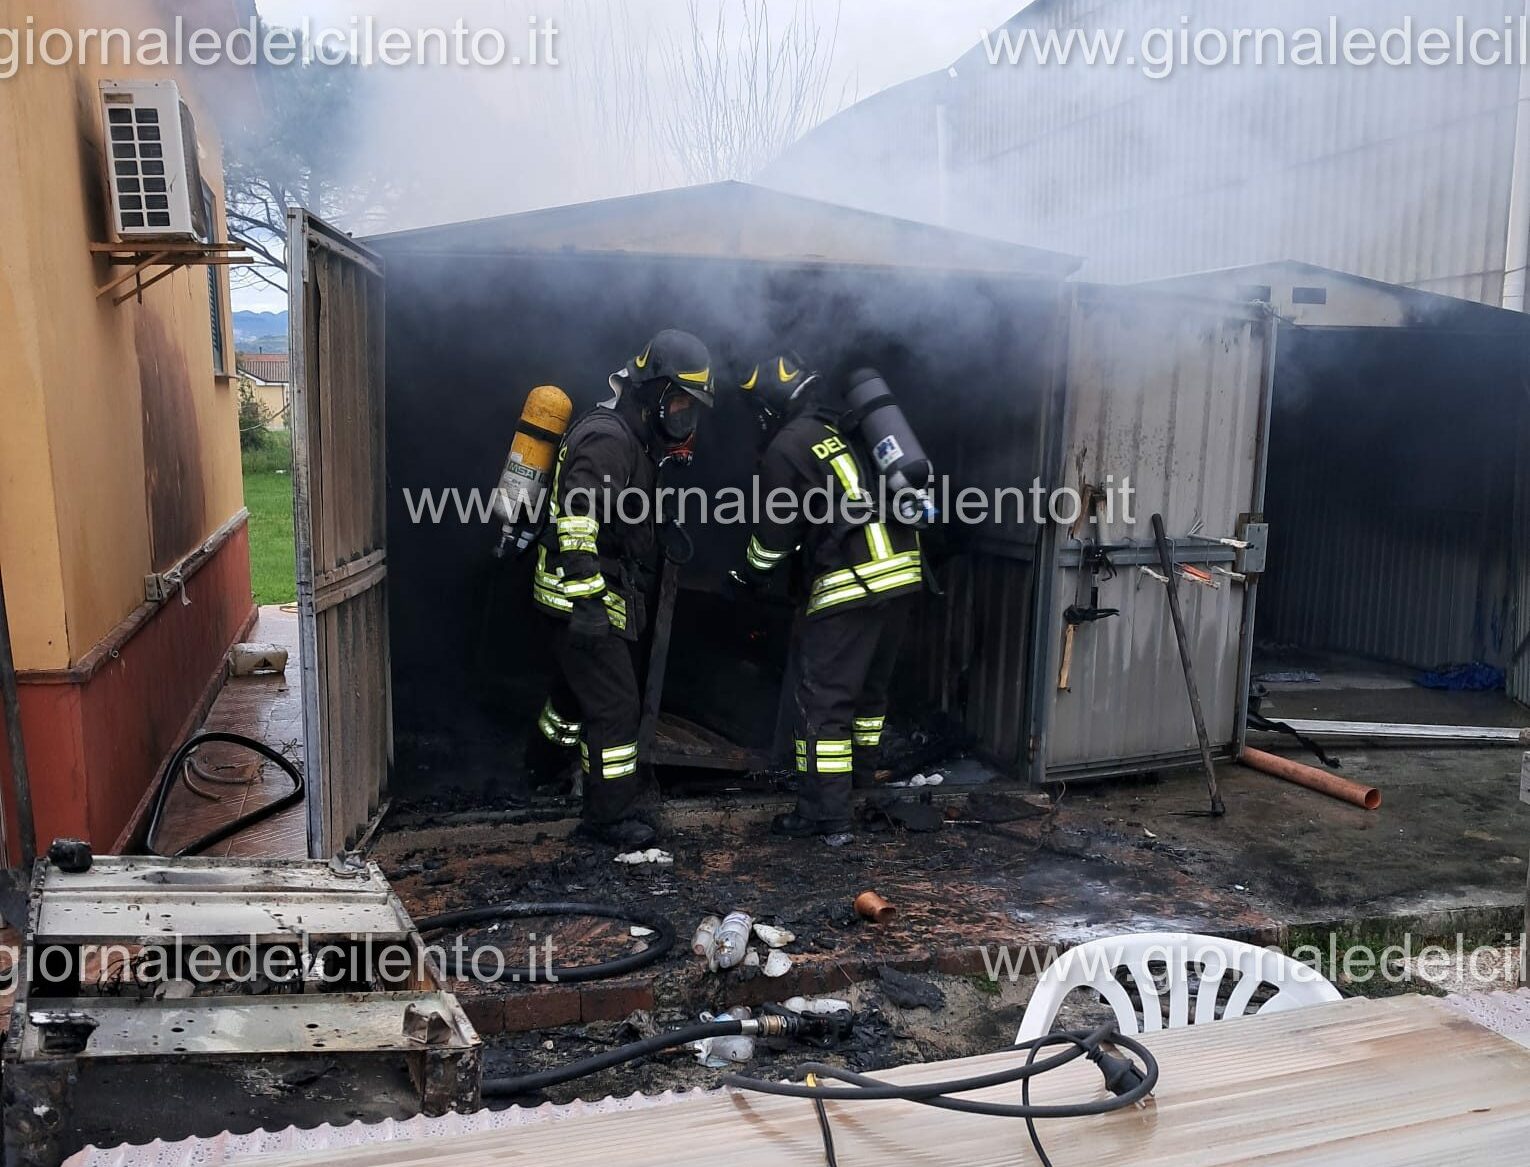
{"points": [[887, 452], [516, 466]]}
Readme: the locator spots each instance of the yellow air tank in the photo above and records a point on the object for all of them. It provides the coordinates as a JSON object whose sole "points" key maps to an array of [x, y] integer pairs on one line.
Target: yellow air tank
{"points": [[520, 499]]}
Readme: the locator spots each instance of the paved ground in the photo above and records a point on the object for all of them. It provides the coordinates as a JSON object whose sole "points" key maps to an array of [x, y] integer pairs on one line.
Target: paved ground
{"points": [[270, 709]]}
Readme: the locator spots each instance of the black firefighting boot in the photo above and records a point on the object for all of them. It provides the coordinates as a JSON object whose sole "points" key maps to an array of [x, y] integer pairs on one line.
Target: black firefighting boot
{"points": [[626, 815]]}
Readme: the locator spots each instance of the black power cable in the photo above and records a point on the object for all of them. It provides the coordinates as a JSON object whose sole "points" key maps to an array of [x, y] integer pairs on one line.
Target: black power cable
{"points": [[662, 940], [177, 766]]}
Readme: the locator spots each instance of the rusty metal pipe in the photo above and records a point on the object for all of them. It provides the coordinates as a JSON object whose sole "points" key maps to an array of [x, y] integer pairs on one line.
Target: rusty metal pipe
{"points": [[1312, 778]]}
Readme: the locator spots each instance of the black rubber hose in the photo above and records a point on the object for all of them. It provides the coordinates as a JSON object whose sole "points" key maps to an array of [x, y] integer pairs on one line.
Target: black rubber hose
{"points": [[529, 1083], [932, 1093], [177, 764], [662, 940]]}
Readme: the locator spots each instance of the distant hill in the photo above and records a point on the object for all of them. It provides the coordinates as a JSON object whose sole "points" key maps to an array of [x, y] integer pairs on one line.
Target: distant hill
{"points": [[260, 332]]}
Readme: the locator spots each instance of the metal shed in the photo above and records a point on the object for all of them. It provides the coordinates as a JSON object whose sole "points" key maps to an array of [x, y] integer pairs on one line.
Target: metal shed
{"points": [[1011, 375], [1398, 457]]}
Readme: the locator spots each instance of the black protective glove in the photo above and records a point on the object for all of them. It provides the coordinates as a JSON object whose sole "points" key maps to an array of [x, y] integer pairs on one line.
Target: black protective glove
{"points": [[589, 622]]}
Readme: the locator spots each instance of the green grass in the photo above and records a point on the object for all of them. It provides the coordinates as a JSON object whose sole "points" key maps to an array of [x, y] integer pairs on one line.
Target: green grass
{"points": [[268, 497]]}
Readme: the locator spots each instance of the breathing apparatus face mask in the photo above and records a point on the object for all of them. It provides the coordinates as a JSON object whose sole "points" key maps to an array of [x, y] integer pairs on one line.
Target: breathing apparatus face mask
{"points": [[675, 422]]}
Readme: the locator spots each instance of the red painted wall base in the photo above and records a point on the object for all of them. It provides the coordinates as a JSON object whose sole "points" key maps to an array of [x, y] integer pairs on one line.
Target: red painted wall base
{"points": [[97, 735]]}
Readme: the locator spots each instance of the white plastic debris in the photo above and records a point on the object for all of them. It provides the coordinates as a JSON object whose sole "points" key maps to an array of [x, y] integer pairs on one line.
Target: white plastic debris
{"points": [[652, 855], [816, 1005], [732, 940], [639, 931], [705, 937], [778, 964], [773, 937], [246, 660], [717, 1052], [752, 958], [926, 779]]}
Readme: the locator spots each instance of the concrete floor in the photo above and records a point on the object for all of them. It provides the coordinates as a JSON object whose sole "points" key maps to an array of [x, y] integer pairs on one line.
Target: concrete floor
{"points": [[268, 708]]}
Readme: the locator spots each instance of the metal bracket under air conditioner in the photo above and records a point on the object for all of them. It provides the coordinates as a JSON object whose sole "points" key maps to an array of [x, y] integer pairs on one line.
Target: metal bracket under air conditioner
{"points": [[163, 259]]}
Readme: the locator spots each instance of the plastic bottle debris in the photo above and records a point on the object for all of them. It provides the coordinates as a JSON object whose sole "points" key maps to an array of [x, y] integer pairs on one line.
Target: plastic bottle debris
{"points": [[717, 1052], [773, 937], [778, 964], [652, 855], [705, 937], [817, 1006], [926, 779], [732, 940]]}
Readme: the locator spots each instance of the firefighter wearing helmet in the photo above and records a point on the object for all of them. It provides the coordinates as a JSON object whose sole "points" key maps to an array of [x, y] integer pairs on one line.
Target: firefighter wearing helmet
{"points": [[862, 573], [592, 570]]}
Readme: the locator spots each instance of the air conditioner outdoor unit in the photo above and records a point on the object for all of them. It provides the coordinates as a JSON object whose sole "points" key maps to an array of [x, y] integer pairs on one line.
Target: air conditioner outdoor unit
{"points": [[151, 150]]}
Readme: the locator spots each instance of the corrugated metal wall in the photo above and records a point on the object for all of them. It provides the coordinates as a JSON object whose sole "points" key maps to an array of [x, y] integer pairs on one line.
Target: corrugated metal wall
{"points": [[1169, 395], [1391, 471], [1418, 588], [1400, 174], [1519, 672]]}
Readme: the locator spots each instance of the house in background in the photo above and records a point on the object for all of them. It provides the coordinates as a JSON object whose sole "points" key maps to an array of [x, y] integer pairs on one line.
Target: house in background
{"points": [[123, 542], [268, 377]]}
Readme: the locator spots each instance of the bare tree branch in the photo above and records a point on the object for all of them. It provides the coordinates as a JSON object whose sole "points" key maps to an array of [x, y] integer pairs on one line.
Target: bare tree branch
{"points": [[738, 99]]}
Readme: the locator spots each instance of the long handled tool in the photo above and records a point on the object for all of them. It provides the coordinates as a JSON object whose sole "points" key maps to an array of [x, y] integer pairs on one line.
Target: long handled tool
{"points": [[1171, 585], [14, 882]]}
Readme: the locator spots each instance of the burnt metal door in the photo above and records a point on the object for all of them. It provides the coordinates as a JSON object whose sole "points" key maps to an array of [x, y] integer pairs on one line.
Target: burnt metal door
{"points": [[1170, 395], [339, 482]]}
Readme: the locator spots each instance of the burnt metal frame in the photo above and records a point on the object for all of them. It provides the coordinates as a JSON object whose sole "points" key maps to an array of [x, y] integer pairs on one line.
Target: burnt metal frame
{"points": [[444, 1061], [304, 230]]}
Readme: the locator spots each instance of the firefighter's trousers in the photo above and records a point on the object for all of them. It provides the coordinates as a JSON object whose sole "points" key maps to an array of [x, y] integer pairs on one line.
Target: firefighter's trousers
{"points": [[845, 663], [594, 704]]}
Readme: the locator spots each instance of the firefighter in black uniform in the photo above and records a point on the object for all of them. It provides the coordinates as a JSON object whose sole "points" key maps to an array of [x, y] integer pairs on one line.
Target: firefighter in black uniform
{"points": [[593, 566], [861, 572]]}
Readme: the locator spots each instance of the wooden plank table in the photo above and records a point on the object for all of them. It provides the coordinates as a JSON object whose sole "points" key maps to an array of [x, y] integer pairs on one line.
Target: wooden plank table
{"points": [[1397, 1081]]}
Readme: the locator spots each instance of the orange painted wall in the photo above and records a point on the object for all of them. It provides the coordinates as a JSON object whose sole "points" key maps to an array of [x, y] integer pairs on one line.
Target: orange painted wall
{"points": [[119, 449]]}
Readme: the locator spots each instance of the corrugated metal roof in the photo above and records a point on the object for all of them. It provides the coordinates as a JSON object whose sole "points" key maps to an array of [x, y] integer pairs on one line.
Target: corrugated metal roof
{"points": [[733, 220], [1351, 301], [244, 1148]]}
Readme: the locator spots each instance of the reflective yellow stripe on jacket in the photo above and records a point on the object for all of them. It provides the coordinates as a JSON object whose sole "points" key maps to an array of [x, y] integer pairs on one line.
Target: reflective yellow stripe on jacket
{"points": [[895, 572]]}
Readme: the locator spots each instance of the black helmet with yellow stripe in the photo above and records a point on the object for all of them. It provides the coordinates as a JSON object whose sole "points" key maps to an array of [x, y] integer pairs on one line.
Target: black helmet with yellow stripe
{"points": [[780, 385], [671, 377], [677, 357]]}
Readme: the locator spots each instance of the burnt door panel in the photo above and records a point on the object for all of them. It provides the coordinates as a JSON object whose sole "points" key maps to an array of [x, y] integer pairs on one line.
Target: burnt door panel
{"points": [[1170, 397], [339, 482]]}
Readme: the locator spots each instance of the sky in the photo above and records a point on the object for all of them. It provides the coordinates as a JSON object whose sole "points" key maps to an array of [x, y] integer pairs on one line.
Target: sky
{"points": [[484, 141]]}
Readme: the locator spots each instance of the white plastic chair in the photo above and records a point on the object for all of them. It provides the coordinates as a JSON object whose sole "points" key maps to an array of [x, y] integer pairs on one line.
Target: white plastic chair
{"points": [[1173, 955]]}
